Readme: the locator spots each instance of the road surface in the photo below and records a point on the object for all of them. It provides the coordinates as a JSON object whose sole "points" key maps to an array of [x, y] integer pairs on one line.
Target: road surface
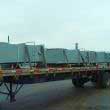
{"points": [[59, 95]]}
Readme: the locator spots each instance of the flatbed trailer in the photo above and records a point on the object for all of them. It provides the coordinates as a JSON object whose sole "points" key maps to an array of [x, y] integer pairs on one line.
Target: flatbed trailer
{"points": [[79, 75]]}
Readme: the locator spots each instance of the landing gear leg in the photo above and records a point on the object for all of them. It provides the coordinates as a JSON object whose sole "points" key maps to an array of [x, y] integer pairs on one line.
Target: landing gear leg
{"points": [[11, 92]]}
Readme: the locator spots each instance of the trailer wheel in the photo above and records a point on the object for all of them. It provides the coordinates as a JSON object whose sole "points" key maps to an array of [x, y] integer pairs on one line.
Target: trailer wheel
{"points": [[78, 82], [103, 80]]}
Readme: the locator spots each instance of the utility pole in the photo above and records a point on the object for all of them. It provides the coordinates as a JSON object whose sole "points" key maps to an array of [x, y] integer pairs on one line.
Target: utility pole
{"points": [[8, 39]]}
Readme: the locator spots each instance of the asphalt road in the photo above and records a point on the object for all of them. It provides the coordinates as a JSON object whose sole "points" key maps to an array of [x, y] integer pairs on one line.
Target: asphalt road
{"points": [[59, 95]]}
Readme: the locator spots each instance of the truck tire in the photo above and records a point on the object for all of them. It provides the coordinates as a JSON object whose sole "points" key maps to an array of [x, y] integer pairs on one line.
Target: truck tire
{"points": [[78, 82], [103, 80]]}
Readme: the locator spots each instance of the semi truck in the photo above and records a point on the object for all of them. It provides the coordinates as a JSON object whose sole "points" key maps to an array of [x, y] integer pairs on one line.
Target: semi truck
{"points": [[22, 64]]}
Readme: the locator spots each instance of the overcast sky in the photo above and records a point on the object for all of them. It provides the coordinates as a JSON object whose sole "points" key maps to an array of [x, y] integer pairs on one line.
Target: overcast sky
{"points": [[57, 23]]}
